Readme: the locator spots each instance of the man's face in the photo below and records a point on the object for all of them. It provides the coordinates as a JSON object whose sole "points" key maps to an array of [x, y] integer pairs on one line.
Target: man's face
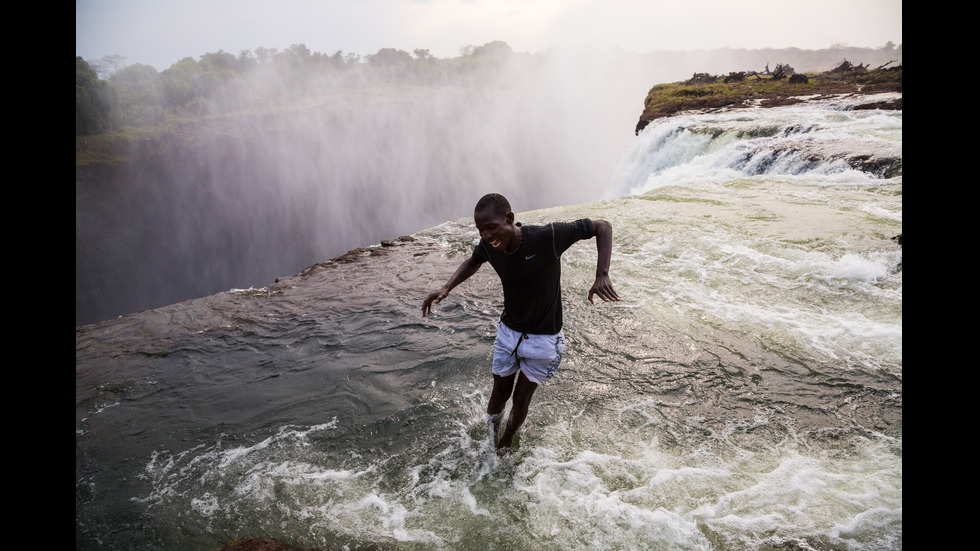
{"points": [[496, 229]]}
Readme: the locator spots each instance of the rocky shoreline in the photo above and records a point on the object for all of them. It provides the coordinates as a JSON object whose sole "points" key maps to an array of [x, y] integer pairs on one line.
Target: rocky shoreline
{"points": [[707, 93]]}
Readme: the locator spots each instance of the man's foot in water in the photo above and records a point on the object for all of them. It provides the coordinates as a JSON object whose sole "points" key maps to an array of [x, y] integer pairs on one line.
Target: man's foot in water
{"points": [[506, 442], [505, 445]]}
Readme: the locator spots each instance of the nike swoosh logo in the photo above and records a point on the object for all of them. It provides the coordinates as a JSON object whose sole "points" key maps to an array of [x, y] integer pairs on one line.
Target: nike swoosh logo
{"points": [[530, 257]]}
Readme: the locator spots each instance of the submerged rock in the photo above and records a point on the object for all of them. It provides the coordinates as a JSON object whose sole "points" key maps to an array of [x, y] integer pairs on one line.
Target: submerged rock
{"points": [[269, 544], [262, 544]]}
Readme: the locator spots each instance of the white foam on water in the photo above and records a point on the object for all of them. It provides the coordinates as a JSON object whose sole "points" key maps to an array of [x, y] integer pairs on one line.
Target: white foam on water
{"points": [[637, 493], [845, 305], [611, 477], [882, 211], [392, 519]]}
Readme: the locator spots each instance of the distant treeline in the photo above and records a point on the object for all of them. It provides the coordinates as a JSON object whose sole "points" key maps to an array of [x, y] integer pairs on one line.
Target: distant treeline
{"points": [[109, 97]]}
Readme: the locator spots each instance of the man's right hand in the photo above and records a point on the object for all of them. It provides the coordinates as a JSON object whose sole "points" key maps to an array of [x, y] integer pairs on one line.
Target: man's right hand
{"points": [[435, 297], [465, 270]]}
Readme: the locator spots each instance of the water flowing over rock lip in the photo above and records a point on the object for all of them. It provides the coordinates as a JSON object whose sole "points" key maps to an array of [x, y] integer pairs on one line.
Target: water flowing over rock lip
{"points": [[888, 100]]}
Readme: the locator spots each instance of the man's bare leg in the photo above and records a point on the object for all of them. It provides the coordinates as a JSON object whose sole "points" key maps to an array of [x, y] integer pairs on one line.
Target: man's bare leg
{"points": [[502, 387], [518, 411]]}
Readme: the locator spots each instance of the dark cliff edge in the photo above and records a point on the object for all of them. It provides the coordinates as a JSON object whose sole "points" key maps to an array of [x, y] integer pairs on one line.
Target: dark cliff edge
{"points": [[782, 86]]}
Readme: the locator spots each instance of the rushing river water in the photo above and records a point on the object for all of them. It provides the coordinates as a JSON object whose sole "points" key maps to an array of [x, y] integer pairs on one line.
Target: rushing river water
{"points": [[745, 394]]}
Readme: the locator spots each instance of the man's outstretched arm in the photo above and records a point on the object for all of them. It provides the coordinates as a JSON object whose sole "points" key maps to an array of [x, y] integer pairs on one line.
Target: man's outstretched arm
{"points": [[465, 270], [603, 285]]}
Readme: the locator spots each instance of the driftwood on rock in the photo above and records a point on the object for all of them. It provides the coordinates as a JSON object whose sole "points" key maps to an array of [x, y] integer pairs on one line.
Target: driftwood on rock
{"points": [[848, 67], [702, 78], [781, 71]]}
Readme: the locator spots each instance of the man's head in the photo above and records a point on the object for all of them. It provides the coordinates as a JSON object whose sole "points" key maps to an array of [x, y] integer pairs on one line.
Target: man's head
{"points": [[495, 201], [495, 222]]}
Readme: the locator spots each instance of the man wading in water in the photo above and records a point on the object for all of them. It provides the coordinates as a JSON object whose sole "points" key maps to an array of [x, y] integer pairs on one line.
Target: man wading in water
{"points": [[530, 340]]}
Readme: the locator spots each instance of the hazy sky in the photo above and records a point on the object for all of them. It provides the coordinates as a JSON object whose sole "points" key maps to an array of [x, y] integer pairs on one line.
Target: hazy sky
{"points": [[161, 32]]}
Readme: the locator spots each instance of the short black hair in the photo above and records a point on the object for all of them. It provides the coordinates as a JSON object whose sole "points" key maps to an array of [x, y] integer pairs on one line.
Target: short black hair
{"points": [[495, 201]]}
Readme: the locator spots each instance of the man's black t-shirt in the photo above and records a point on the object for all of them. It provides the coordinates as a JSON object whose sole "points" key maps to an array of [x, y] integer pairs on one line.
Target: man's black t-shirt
{"points": [[531, 275]]}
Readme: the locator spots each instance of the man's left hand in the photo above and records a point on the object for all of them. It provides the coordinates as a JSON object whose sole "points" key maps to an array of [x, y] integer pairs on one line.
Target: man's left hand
{"points": [[603, 287]]}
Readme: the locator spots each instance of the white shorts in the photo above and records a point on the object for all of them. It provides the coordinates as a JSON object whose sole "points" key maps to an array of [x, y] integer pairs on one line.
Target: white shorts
{"points": [[537, 356]]}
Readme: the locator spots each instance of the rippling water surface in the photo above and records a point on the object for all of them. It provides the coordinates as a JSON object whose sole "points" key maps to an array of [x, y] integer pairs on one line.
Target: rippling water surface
{"points": [[747, 392]]}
